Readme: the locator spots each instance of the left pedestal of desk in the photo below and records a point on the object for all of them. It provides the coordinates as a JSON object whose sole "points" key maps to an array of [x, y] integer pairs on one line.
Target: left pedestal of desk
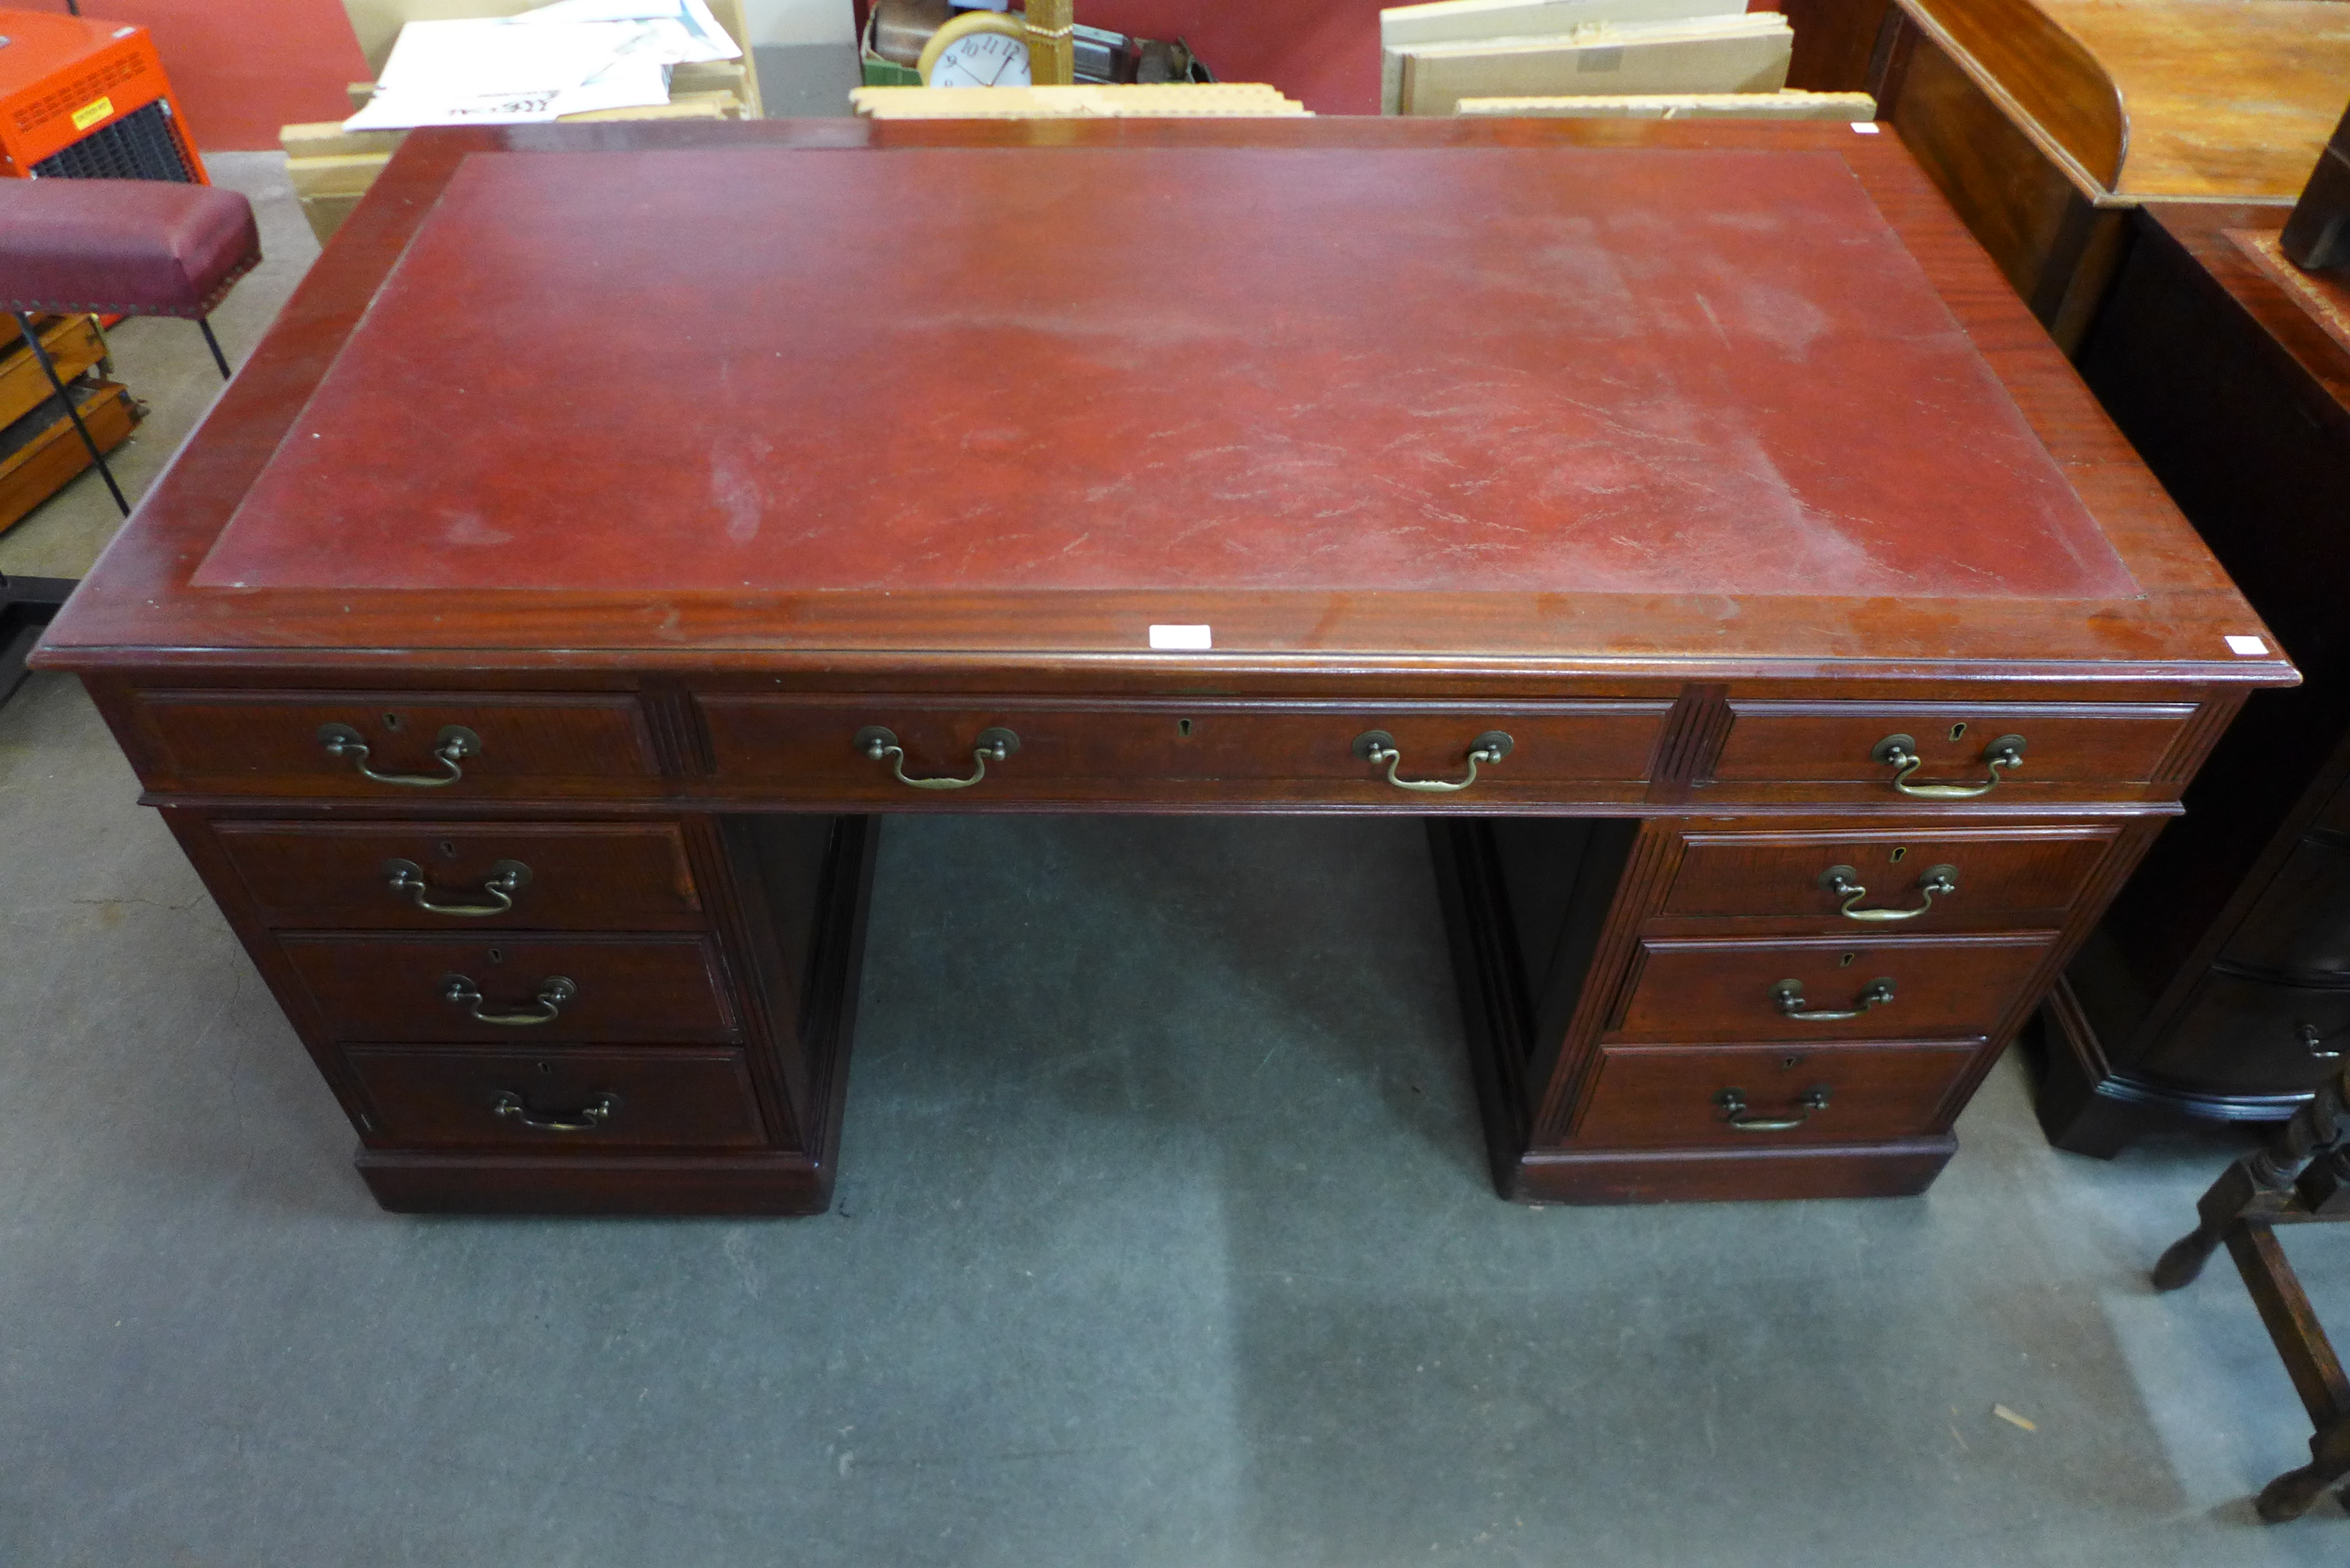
{"points": [[526, 1003]]}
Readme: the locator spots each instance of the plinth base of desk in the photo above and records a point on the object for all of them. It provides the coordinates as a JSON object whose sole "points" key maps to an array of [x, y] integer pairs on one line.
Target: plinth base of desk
{"points": [[770, 1184], [1708, 1176]]}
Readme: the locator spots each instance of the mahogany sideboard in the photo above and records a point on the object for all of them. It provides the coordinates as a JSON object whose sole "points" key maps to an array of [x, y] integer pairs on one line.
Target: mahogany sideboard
{"points": [[2218, 986], [2046, 121], [1686, 518]]}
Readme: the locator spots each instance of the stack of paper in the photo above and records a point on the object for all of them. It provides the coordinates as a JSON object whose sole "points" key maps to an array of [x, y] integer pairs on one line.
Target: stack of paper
{"points": [[566, 58], [1432, 56]]}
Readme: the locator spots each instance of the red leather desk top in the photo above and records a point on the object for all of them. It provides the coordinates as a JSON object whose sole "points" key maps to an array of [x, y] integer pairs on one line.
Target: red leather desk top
{"points": [[1466, 369]]}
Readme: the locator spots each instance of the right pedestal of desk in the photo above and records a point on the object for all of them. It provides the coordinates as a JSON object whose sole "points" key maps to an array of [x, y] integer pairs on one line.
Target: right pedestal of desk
{"points": [[1718, 1007]]}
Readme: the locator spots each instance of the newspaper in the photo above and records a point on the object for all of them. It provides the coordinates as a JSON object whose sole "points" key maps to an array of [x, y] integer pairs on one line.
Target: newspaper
{"points": [[566, 58]]}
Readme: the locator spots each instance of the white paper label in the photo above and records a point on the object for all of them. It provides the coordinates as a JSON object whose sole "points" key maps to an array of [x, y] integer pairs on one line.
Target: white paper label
{"points": [[1864, 127], [2249, 646], [1192, 637]]}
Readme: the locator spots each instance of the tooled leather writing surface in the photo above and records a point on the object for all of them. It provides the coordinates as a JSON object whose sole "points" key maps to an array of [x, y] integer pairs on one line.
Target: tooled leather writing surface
{"points": [[1620, 370]]}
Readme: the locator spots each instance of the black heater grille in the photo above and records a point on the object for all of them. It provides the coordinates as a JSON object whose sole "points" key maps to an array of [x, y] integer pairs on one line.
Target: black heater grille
{"points": [[139, 146]]}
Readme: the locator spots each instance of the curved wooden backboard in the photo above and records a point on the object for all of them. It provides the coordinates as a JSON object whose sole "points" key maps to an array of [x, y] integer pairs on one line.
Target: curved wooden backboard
{"points": [[2026, 56]]}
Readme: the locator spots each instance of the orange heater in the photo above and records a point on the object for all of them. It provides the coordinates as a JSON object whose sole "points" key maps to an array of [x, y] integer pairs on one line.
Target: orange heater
{"points": [[85, 100]]}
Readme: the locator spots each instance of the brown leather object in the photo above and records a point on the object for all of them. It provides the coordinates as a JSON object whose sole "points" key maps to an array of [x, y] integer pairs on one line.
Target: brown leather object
{"points": [[135, 247]]}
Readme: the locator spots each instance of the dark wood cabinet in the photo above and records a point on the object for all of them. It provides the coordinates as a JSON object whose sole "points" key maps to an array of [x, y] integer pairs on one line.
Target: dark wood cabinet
{"points": [[2218, 985]]}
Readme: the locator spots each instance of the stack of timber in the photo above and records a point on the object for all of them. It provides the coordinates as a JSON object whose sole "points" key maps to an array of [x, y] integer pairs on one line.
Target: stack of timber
{"points": [[331, 168], [1433, 56], [1154, 100], [39, 451]]}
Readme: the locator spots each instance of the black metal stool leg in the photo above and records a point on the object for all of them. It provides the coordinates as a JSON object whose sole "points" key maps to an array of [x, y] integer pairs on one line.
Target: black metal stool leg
{"points": [[65, 397], [212, 343]]}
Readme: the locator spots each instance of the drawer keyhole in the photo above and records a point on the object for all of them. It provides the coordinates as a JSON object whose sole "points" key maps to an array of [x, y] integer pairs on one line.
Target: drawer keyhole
{"points": [[1183, 728], [391, 721], [498, 955], [1844, 962], [1958, 731], [1897, 854]]}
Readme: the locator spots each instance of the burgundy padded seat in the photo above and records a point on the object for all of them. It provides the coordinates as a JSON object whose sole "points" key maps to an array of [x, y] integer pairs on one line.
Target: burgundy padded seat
{"points": [[118, 247], [130, 247]]}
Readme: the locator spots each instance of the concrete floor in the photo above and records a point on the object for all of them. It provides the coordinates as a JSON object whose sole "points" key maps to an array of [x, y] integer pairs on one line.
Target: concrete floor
{"points": [[1164, 1239]]}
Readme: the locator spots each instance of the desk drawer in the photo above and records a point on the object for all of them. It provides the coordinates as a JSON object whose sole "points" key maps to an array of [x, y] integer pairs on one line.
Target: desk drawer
{"points": [[2302, 922], [2063, 745], [575, 1099], [438, 875], [2006, 876], [1740, 988], [420, 746], [545, 989], [810, 746], [1649, 1096], [2241, 1035]]}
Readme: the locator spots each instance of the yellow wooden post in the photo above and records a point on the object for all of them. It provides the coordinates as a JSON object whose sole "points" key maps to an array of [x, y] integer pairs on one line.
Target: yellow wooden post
{"points": [[1051, 50]]}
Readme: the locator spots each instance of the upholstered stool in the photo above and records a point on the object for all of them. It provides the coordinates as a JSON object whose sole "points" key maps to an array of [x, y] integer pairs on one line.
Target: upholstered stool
{"points": [[119, 247]]}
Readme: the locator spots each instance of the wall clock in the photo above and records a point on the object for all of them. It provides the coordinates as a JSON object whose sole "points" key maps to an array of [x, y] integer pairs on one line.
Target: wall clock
{"points": [[978, 49]]}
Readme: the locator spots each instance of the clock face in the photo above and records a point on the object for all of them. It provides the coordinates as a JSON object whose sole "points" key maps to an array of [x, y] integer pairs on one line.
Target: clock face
{"points": [[982, 59]]}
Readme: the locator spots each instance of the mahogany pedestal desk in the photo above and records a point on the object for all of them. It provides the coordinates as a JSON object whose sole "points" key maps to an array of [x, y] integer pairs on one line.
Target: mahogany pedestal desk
{"points": [[1789, 657]]}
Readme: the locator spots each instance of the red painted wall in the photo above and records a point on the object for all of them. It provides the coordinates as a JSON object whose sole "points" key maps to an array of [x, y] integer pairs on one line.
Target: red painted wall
{"points": [[1324, 53], [241, 68]]}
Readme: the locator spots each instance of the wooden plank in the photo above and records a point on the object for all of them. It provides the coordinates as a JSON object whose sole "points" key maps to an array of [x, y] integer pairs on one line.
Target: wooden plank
{"points": [[327, 139], [1783, 105], [43, 465], [341, 176], [74, 344], [680, 105], [1457, 21], [1746, 53], [326, 213]]}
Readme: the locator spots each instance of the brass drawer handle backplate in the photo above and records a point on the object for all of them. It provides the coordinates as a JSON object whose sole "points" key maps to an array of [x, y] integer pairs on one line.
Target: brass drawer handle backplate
{"points": [[881, 745], [1377, 748], [1733, 1111], [1843, 882], [547, 1005], [506, 878], [1789, 995], [341, 742], [1899, 752], [508, 1107]]}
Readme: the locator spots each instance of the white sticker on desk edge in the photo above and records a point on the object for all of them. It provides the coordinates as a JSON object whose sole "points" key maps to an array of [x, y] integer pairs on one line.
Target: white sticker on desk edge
{"points": [[1184, 636], [1864, 127], [2251, 647]]}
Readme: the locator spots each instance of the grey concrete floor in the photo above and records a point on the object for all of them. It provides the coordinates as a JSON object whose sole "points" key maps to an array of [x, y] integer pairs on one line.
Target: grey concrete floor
{"points": [[1163, 1239]]}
